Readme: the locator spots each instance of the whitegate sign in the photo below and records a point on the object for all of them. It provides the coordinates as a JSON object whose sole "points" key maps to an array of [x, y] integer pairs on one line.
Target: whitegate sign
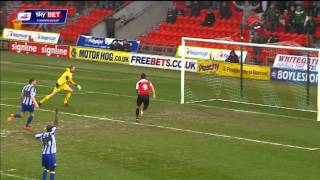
{"points": [[295, 62], [208, 53], [31, 36], [163, 62]]}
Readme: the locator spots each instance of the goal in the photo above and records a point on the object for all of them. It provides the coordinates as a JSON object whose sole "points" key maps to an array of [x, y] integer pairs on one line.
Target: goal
{"points": [[267, 75]]}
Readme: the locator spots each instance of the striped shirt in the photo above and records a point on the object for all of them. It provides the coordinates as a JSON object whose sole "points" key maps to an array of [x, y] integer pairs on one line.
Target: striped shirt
{"points": [[28, 92], [48, 141]]}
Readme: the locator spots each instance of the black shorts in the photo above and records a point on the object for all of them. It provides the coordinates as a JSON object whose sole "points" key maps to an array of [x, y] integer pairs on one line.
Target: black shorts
{"points": [[143, 99]]}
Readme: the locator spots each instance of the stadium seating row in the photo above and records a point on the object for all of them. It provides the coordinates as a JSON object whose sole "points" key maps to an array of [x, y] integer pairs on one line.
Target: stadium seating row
{"points": [[170, 34], [83, 25]]}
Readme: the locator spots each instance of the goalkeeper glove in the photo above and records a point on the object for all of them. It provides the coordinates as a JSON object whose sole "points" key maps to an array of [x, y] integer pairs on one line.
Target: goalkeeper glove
{"points": [[79, 87]]}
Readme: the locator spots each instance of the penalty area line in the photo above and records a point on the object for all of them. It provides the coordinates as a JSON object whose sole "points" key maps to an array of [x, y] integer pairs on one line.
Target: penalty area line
{"points": [[182, 130], [15, 176]]}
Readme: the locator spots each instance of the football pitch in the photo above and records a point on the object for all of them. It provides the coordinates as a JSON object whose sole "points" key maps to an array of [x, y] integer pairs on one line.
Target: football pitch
{"points": [[98, 138]]}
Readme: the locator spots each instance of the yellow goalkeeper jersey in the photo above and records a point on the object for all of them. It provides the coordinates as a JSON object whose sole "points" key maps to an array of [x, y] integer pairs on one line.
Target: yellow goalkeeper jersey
{"points": [[66, 77]]}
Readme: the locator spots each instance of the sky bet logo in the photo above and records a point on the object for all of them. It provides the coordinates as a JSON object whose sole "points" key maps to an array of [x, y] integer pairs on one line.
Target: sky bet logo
{"points": [[43, 16], [24, 16], [49, 15]]}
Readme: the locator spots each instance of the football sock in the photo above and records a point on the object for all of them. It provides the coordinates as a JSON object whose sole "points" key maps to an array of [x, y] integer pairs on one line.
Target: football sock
{"points": [[52, 174], [45, 99], [67, 98], [29, 120], [17, 115], [44, 174], [137, 112]]}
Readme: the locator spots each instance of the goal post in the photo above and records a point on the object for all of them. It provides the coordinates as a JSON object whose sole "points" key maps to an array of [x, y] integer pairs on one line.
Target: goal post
{"points": [[197, 87]]}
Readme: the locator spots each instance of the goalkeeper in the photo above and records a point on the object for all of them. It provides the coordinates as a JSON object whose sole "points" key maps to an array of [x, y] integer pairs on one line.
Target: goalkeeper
{"points": [[62, 84]]}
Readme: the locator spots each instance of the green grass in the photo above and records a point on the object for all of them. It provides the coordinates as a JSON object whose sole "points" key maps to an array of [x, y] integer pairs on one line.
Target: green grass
{"points": [[98, 149]]}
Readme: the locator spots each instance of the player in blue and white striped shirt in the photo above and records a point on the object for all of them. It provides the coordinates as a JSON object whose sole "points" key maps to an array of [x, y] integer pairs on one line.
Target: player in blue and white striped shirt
{"points": [[28, 103], [49, 149]]}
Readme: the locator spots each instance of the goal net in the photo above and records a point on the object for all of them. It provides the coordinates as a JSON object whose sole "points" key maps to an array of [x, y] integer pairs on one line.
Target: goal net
{"points": [[266, 75]]}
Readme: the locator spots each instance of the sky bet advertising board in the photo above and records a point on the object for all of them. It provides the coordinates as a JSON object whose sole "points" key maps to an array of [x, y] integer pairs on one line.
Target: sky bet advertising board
{"points": [[43, 16], [104, 43]]}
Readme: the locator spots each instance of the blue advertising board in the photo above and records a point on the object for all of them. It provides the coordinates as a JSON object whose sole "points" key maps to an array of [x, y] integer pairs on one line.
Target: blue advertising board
{"points": [[43, 16], [297, 76], [104, 43], [93, 42]]}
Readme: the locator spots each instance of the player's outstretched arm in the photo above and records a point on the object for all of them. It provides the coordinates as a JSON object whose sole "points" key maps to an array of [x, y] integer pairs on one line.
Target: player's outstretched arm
{"points": [[75, 84], [153, 92], [56, 119], [35, 102]]}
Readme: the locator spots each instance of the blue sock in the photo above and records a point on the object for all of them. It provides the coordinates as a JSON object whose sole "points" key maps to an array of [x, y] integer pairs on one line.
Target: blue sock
{"points": [[52, 174], [44, 174], [29, 120], [17, 115]]}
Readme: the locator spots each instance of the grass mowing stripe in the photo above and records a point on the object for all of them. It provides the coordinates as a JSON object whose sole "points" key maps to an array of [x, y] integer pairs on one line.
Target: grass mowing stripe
{"points": [[181, 130], [164, 100], [253, 104]]}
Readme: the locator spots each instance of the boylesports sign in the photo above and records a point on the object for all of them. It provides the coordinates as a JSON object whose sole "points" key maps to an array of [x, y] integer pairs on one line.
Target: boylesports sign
{"points": [[294, 75]]}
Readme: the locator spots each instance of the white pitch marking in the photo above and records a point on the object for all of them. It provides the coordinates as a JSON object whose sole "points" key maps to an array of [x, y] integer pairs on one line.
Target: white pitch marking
{"points": [[38, 65], [20, 83], [10, 170], [16, 176], [164, 100], [87, 92], [182, 130], [255, 104], [2, 99], [57, 67]]}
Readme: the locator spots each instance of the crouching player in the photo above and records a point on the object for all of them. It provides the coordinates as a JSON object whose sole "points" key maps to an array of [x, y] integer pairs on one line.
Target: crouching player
{"points": [[143, 87], [49, 148]]}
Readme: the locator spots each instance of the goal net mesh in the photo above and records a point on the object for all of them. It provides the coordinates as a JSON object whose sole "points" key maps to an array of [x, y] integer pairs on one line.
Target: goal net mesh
{"points": [[262, 84]]}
